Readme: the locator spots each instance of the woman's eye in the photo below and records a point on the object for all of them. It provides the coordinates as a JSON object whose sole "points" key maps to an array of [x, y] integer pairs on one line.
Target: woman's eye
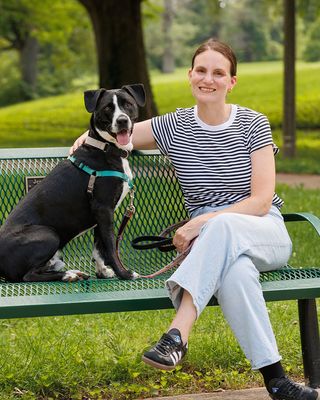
{"points": [[219, 73]]}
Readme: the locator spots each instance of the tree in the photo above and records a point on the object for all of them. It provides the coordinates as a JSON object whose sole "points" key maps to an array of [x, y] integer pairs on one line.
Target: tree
{"points": [[17, 29], [168, 62], [47, 38], [289, 107], [120, 48]]}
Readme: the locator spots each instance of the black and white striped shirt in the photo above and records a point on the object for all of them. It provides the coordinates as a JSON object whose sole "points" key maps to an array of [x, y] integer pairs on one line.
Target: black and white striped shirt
{"points": [[213, 163]]}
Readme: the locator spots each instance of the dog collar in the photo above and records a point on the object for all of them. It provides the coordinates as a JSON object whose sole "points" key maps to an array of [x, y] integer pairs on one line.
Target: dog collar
{"points": [[103, 173], [105, 146]]}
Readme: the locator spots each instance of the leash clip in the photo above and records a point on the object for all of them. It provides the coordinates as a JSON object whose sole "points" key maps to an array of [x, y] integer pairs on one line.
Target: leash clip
{"points": [[131, 208], [90, 187]]}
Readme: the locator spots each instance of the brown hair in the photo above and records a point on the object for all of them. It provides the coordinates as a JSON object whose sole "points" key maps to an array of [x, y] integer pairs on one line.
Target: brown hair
{"points": [[220, 47]]}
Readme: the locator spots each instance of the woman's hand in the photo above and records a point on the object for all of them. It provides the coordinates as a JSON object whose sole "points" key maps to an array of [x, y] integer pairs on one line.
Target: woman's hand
{"points": [[78, 142], [188, 232]]}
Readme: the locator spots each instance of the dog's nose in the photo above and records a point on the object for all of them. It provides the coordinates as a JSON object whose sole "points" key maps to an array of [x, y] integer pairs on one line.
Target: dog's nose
{"points": [[123, 122]]}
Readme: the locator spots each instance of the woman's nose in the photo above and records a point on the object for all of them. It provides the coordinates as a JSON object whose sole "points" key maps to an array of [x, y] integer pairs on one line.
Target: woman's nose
{"points": [[208, 78]]}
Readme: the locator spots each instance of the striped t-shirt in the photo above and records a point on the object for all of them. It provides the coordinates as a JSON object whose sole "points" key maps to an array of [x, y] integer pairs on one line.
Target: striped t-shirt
{"points": [[213, 163]]}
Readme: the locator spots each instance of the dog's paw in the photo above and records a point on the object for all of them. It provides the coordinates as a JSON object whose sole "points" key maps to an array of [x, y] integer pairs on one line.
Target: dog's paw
{"points": [[56, 264], [75, 275], [135, 275], [105, 272]]}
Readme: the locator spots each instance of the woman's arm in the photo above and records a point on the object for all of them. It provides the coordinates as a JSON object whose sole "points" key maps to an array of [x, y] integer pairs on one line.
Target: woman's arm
{"points": [[142, 137], [258, 203]]}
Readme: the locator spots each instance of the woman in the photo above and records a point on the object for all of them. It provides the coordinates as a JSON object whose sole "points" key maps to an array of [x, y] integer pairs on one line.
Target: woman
{"points": [[223, 155]]}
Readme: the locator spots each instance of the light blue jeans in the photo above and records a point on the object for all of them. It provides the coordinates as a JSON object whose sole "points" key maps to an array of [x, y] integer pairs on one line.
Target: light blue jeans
{"points": [[225, 261]]}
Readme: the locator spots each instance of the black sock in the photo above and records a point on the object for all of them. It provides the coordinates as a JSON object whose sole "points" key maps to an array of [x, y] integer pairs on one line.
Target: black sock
{"points": [[272, 371]]}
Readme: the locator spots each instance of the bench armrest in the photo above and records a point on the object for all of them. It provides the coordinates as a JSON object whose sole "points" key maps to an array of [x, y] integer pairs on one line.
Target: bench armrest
{"points": [[312, 219]]}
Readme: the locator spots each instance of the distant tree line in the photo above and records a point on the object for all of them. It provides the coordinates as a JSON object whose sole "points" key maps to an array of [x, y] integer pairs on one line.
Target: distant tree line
{"points": [[253, 28], [49, 47]]}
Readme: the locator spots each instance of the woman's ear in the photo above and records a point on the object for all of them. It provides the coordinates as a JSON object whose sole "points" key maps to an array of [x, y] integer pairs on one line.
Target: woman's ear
{"points": [[233, 81]]}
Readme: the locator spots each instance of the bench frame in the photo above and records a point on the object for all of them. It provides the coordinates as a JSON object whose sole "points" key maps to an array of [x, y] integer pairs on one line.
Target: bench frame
{"points": [[24, 299]]}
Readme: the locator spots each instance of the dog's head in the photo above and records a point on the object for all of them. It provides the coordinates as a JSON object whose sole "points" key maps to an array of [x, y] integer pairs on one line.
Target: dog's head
{"points": [[115, 111]]}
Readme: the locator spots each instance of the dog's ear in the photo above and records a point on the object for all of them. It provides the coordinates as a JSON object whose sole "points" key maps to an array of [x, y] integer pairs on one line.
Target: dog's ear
{"points": [[137, 92], [91, 98]]}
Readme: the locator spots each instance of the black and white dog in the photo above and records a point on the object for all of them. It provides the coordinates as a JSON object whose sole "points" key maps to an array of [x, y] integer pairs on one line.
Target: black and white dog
{"points": [[80, 193]]}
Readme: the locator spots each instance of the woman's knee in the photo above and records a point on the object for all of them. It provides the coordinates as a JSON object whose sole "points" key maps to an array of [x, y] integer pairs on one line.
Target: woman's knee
{"points": [[241, 277]]}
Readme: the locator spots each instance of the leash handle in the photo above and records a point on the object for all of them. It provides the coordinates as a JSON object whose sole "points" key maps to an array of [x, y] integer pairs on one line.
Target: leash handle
{"points": [[180, 257], [165, 242], [161, 242], [178, 260], [152, 242]]}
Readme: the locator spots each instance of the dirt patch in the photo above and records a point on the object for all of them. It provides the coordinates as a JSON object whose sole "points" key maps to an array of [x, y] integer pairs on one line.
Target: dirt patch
{"points": [[307, 181]]}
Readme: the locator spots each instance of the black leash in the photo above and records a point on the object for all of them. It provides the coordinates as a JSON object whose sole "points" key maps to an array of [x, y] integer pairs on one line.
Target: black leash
{"points": [[153, 242], [162, 243]]}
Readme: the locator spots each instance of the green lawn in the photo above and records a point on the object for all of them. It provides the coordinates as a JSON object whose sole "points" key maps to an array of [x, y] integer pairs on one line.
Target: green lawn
{"points": [[58, 120]]}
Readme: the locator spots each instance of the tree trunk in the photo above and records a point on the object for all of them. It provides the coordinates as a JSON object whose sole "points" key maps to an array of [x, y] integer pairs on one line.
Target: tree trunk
{"points": [[28, 53], [289, 108], [120, 48], [168, 64]]}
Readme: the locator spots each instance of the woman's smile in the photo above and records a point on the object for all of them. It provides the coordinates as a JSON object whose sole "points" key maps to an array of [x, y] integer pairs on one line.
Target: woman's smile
{"points": [[206, 89]]}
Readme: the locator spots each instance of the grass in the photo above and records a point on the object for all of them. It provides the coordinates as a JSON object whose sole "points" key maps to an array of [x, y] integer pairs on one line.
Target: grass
{"points": [[57, 121], [98, 356], [308, 150]]}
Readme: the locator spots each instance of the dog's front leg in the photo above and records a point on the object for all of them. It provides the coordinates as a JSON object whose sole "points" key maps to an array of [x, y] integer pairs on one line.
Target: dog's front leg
{"points": [[104, 252], [102, 271]]}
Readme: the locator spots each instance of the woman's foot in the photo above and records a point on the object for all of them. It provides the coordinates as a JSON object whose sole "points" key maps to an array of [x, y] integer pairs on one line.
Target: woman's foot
{"points": [[285, 389], [168, 352]]}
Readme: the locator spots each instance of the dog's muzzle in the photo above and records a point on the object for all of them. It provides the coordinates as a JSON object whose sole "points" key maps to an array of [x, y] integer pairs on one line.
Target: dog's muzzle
{"points": [[123, 123]]}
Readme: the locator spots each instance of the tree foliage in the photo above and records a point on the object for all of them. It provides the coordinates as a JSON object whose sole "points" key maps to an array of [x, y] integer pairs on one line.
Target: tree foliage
{"points": [[46, 45], [50, 40], [312, 50]]}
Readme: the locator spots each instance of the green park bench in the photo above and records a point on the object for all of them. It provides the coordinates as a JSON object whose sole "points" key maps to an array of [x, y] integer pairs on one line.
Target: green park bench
{"points": [[159, 203]]}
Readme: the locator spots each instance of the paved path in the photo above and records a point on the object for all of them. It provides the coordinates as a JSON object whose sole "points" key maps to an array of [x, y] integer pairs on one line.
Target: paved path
{"points": [[307, 181], [245, 394]]}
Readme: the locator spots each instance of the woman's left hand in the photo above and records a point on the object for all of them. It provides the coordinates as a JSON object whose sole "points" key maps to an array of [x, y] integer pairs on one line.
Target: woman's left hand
{"points": [[188, 232]]}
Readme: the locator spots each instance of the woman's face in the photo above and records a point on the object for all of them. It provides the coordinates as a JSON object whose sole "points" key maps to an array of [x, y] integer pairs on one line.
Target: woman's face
{"points": [[210, 77]]}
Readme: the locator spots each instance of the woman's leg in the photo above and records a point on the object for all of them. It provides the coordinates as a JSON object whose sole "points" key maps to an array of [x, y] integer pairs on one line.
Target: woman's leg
{"points": [[221, 242], [241, 300], [185, 317]]}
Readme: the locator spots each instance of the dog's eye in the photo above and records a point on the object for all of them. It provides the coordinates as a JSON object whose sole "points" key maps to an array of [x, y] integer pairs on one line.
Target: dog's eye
{"points": [[109, 107], [128, 106]]}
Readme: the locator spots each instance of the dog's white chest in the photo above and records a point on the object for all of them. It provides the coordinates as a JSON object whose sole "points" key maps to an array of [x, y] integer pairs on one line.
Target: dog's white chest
{"points": [[125, 190]]}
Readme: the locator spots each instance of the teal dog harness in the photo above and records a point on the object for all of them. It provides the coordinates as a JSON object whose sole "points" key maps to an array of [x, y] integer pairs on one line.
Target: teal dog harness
{"points": [[96, 174]]}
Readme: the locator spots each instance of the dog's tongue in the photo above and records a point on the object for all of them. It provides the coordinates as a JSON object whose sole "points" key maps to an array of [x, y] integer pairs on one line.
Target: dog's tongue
{"points": [[123, 137]]}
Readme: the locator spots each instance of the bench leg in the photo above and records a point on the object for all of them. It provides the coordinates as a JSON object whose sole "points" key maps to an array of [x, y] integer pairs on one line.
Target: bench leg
{"points": [[310, 342]]}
